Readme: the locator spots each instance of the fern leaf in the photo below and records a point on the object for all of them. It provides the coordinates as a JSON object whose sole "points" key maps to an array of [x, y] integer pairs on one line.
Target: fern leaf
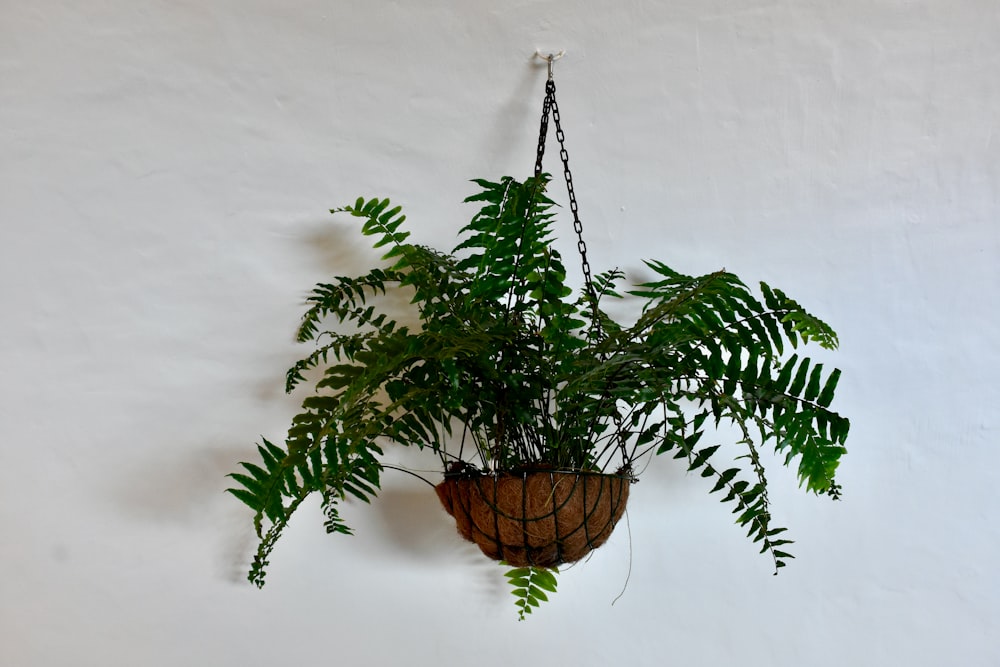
{"points": [[826, 396], [529, 585], [246, 497], [811, 391], [796, 321], [342, 299], [799, 382]]}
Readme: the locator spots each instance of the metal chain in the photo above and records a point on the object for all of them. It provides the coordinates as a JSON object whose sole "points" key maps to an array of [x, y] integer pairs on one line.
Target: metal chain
{"points": [[551, 106], [550, 89], [543, 131]]}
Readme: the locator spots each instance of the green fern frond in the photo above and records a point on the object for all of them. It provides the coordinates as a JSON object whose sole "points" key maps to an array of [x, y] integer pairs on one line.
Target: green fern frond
{"points": [[340, 347], [530, 586], [345, 299], [506, 242], [381, 221], [798, 322], [750, 502]]}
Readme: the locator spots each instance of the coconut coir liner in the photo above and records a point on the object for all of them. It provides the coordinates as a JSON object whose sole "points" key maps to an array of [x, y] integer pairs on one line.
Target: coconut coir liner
{"points": [[543, 519]]}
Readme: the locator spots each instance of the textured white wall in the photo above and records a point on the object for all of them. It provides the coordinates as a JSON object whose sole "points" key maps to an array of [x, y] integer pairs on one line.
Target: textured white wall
{"points": [[165, 168]]}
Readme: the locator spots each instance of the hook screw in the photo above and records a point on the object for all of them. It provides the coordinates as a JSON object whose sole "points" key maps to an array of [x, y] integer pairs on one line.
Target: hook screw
{"points": [[550, 58]]}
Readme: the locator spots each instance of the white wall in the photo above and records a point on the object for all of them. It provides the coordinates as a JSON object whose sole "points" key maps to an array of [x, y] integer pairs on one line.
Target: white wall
{"points": [[165, 168]]}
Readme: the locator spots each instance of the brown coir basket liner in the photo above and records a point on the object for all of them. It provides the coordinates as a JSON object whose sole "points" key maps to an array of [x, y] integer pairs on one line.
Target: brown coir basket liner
{"points": [[543, 518]]}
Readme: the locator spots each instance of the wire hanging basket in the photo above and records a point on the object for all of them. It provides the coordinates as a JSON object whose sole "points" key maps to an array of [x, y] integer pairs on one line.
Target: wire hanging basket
{"points": [[541, 518]]}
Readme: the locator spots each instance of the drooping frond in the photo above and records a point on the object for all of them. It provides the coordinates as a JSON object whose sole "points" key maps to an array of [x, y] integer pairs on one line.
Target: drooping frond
{"points": [[529, 585]]}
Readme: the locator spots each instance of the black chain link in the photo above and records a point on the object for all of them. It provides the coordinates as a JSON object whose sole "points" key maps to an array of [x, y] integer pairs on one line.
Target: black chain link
{"points": [[551, 106], [543, 130]]}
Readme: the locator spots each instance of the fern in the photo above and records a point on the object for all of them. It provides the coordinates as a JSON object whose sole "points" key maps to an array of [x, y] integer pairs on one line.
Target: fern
{"points": [[530, 585], [538, 376], [344, 299]]}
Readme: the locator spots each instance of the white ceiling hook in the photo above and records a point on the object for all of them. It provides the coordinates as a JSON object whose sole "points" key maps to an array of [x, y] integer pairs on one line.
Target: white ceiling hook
{"points": [[550, 58]]}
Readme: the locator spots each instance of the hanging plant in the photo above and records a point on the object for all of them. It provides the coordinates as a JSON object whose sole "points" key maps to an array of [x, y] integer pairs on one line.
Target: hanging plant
{"points": [[537, 402]]}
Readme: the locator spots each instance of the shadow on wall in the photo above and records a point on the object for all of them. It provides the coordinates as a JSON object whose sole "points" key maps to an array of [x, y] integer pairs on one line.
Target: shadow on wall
{"points": [[185, 484], [342, 250], [413, 529], [520, 110], [188, 489], [413, 524]]}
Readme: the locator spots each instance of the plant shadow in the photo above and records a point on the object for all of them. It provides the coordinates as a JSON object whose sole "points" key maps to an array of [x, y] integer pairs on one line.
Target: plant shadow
{"points": [[340, 249], [180, 478], [188, 490]]}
